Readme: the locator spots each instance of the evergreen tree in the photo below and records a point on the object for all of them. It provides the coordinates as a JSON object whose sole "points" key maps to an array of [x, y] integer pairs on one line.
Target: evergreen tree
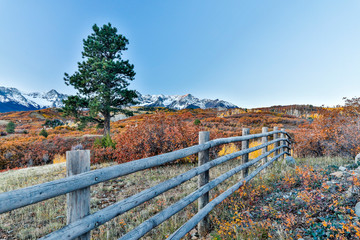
{"points": [[101, 80], [10, 127], [44, 133]]}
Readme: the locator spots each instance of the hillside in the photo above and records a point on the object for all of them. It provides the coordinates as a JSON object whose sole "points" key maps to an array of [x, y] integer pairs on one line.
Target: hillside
{"points": [[307, 201], [27, 148]]}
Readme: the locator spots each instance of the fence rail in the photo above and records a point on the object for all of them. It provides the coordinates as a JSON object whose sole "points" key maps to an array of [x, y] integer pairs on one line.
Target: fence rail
{"points": [[83, 225]]}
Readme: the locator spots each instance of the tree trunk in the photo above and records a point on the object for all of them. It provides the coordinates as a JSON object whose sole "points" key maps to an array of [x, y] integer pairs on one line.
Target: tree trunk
{"points": [[106, 124]]}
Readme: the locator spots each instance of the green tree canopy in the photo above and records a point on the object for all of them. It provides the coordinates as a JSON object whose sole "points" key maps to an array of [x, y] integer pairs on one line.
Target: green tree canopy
{"points": [[101, 79], [10, 127]]}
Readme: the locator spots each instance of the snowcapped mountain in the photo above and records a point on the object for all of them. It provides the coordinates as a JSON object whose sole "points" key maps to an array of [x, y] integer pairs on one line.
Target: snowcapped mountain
{"points": [[181, 102], [11, 99], [46, 99]]}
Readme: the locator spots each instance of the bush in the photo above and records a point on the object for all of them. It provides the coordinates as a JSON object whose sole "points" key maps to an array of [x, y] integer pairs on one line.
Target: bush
{"points": [[10, 127], [37, 150], [158, 133], [104, 142], [53, 123], [44, 133], [197, 122], [334, 133]]}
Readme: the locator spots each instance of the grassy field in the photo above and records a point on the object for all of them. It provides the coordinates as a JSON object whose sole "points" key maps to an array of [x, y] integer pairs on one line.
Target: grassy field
{"points": [[40, 219]]}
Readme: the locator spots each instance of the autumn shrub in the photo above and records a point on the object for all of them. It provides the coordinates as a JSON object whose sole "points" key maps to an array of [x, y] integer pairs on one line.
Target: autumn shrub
{"points": [[58, 158], [159, 133], [227, 149], [334, 133], [34, 151], [257, 153]]}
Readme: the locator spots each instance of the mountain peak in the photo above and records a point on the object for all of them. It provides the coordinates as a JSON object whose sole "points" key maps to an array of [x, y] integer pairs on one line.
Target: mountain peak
{"points": [[11, 99], [181, 102]]}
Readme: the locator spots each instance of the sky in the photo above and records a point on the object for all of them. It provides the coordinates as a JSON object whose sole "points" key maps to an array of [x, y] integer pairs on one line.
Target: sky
{"points": [[252, 53]]}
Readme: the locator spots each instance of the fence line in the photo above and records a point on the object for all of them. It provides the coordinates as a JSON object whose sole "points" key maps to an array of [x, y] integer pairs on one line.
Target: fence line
{"points": [[81, 227], [160, 217], [38, 193]]}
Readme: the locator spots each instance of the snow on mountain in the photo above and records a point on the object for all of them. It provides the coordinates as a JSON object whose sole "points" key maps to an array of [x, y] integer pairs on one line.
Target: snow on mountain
{"points": [[46, 99], [11, 99], [181, 102]]}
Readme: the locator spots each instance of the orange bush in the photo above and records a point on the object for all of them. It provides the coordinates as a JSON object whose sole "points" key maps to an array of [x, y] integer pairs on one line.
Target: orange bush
{"points": [[334, 132]]}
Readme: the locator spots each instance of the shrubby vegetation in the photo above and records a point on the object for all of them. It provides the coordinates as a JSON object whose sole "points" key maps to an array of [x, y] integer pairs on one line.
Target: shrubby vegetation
{"points": [[44, 133], [335, 132], [10, 127], [318, 132]]}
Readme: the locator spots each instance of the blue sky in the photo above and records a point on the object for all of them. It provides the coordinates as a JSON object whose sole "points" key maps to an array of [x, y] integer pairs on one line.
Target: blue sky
{"points": [[252, 53]]}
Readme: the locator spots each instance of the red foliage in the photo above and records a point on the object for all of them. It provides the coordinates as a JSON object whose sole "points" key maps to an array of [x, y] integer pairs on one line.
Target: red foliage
{"points": [[21, 152], [157, 134], [334, 133]]}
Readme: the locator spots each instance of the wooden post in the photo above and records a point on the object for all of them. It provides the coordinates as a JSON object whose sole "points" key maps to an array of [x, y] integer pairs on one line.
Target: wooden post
{"points": [[78, 202], [265, 149], [277, 143], [245, 157], [282, 135], [203, 225]]}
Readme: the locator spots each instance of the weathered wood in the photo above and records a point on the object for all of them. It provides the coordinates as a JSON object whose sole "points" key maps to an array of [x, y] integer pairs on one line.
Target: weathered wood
{"points": [[78, 202], [184, 229], [89, 222], [22, 197], [203, 226], [264, 140], [245, 157], [165, 214], [276, 136], [282, 135], [37, 193]]}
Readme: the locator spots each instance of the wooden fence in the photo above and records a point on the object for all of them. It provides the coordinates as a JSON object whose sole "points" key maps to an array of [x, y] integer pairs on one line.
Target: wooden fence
{"points": [[79, 179]]}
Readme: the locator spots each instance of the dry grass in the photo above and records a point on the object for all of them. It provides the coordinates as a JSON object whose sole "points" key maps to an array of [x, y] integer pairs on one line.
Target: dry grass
{"points": [[37, 220]]}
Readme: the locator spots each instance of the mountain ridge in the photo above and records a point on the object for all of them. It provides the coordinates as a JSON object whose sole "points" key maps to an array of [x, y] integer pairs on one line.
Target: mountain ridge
{"points": [[12, 99]]}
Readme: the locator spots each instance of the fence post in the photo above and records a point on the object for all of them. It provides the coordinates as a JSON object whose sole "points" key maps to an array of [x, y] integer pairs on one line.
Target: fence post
{"points": [[78, 202], [277, 143], [245, 157], [282, 135], [265, 149], [203, 225]]}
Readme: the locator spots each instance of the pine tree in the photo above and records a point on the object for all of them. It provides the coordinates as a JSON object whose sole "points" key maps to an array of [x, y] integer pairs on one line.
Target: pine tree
{"points": [[101, 80]]}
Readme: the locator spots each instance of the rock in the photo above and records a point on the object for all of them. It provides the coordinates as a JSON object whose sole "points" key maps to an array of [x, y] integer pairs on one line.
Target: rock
{"points": [[299, 201], [118, 117], [352, 191], [333, 187], [341, 168], [350, 179], [357, 159], [337, 174], [290, 161], [357, 209]]}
